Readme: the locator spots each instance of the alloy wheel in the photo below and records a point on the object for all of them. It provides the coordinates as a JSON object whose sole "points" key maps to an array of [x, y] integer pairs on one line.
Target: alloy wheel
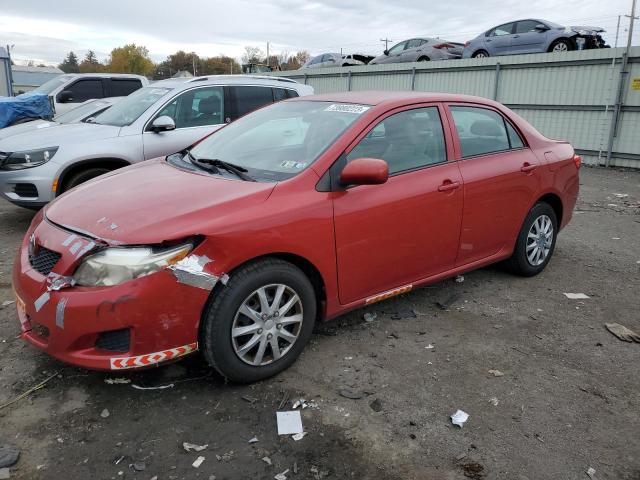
{"points": [[539, 240], [267, 324], [560, 47]]}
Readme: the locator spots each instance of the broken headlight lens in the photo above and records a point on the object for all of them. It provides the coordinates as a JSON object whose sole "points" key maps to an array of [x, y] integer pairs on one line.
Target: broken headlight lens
{"points": [[28, 158], [114, 266]]}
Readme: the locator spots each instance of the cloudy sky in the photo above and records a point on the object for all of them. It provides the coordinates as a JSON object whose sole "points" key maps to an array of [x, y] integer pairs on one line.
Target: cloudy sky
{"points": [[45, 30]]}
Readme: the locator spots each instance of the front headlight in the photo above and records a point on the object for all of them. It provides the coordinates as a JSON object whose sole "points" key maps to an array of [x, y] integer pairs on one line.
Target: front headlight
{"points": [[114, 266], [28, 158]]}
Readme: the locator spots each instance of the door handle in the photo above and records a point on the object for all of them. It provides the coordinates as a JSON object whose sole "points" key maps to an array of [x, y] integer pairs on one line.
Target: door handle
{"points": [[527, 167], [448, 185]]}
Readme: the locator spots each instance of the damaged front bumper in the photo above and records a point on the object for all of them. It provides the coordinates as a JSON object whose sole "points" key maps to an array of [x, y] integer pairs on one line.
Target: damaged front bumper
{"points": [[136, 324]]}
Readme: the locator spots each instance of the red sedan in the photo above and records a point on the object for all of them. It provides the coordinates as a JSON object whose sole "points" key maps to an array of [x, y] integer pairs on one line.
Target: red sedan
{"points": [[294, 214]]}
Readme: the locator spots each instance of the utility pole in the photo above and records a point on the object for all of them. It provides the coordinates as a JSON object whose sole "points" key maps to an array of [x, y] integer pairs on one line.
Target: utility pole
{"points": [[386, 42], [268, 64], [9, 47], [617, 32]]}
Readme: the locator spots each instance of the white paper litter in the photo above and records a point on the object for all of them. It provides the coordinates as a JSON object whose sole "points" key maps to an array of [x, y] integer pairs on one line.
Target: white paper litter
{"points": [[198, 461], [494, 401], [253, 440], [289, 423], [192, 447], [282, 476], [591, 472], [299, 436], [266, 460], [576, 296], [429, 347], [459, 418], [112, 381]]}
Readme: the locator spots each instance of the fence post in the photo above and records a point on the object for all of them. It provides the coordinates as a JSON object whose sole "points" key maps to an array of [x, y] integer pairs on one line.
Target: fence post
{"points": [[305, 78], [413, 78], [349, 82], [496, 82]]}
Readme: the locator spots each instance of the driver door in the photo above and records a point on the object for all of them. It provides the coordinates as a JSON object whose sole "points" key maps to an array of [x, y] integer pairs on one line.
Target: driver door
{"points": [[391, 235]]}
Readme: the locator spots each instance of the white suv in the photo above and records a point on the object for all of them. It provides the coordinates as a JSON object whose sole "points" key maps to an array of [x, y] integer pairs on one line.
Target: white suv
{"points": [[155, 121]]}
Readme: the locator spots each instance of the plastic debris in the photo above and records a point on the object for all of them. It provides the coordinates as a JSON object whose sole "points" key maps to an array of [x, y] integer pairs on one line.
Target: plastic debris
{"points": [[105, 413], [459, 418], [9, 455], [591, 472], [352, 394], [225, 457], [139, 466], [253, 440], [6, 303], [459, 278], [370, 317], [5, 473], [429, 347], [192, 447], [299, 436], [198, 461], [289, 423], [114, 381], [622, 332], [576, 296], [282, 476], [494, 401], [266, 460], [445, 304], [302, 403], [496, 373], [159, 387]]}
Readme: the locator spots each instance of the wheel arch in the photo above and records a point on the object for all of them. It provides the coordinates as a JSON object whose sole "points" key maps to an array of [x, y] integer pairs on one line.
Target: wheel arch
{"points": [[104, 162], [571, 40], [555, 202]]}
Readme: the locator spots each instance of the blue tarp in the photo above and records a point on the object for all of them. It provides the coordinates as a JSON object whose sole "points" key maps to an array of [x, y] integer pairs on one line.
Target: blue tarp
{"points": [[27, 105]]}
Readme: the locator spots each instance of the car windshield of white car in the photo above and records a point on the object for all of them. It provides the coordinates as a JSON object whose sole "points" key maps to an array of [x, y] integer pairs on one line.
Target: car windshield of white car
{"points": [[52, 84], [129, 109], [278, 142]]}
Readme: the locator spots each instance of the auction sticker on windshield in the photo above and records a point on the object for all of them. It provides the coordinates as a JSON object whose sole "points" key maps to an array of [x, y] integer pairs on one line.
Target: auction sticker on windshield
{"points": [[346, 108]]}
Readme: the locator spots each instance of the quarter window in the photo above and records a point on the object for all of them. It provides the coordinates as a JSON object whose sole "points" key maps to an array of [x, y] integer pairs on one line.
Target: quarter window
{"points": [[246, 99], [406, 140], [482, 131]]}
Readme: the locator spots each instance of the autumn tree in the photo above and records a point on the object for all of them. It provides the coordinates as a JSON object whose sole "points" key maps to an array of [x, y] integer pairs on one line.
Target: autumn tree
{"points": [[218, 65], [90, 64], [131, 59], [70, 64], [180, 60]]}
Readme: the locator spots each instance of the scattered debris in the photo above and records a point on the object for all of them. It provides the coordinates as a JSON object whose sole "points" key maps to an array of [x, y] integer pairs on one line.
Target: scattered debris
{"points": [[28, 392], [266, 460], [459, 418], [118, 460], [9, 455], [576, 296], [289, 422], [198, 461], [5, 473], [295, 468], [104, 413], [302, 403], [192, 447], [473, 470], [622, 332], [113, 381], [370, 317], [352, 394], [225, 457], [496, 373], [299, 436], [429, 347], [404, 313], [621, 195], [249, 399], [6, 303], [253, 440], [139, 466], [376, 405], [459, 278], [591, 472], [494, 401], [285, 399], [159, 387], [448, 302], [282, 476]]}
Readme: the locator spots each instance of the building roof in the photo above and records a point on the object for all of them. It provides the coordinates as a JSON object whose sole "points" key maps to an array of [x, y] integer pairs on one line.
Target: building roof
{"points": [[26, 69]]}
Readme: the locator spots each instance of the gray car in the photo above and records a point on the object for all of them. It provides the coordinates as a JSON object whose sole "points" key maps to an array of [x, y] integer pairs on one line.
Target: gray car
{"points": [[153, 121], [326, 60], [533, 36], [421, 49]]}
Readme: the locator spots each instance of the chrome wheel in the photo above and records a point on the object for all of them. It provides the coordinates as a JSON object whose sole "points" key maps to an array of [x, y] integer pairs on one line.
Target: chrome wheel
{"points": [[539, 240], [267, 324], [481, 55], [560, 47]]}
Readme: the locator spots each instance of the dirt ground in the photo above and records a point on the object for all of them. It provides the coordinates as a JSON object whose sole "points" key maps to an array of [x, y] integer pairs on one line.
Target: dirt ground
{"points": [[569, 398]]}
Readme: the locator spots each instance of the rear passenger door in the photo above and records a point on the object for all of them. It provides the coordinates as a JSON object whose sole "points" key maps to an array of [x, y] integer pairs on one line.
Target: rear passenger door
{"points": [[501, 176], [243, 99]]}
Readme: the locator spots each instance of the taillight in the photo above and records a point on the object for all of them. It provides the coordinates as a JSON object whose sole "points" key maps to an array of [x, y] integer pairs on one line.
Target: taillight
{"points": [[443, 45], [577, 159]]}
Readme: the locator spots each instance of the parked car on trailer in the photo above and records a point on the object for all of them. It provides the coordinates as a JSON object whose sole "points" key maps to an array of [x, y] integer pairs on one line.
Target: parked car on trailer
{"points": [[421, 49], [71, 89], [326, 60], [533, 36], [296, 213], [156, 120]]}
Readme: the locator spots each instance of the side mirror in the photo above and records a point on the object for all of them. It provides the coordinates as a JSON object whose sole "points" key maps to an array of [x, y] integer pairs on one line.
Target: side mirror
{"points": [[386, 52], [65, 96], [163, 124], [365, 171], [541, 27]]}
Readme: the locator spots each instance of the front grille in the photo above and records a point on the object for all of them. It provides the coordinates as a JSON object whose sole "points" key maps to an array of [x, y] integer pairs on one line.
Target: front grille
{"points": [[27, 190], [115, 340], [44, 260]]}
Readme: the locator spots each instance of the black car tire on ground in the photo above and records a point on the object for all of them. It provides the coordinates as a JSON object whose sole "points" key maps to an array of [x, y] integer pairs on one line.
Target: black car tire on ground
{"points": [[216, 340], [83, 176], [480, 54], [518, 262]]}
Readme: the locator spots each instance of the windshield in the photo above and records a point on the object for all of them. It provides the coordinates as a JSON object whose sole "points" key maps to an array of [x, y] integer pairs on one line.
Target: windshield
{"points": [[279, 141], [52, 84], [129, 109], [82, 112]]}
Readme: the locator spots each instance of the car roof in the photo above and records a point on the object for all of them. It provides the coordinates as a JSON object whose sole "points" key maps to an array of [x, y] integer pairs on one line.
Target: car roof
{"points": [[104, 75], [387, 97], [226, 80]]}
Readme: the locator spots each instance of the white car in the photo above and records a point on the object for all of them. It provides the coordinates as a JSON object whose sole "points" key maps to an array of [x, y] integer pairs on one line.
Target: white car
{"points": [[81, 113], [71, 89], [164, 118]]}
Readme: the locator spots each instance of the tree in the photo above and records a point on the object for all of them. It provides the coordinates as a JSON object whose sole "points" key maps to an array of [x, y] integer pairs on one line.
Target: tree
{"points": [[131, 59], [180, 60], [253, 55], [90, 64], [219, 65], [70, 64], [294, 62]]}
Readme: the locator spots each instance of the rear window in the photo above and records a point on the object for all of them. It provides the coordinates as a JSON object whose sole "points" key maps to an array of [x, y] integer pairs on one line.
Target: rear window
{"points": [[123, 87], [245, 99]]}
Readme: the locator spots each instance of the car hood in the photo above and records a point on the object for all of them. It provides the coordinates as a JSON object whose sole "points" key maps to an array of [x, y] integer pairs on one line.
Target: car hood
{"points": [[378, 58], [58, 135], [151, 202], [589, 29], [25, 127]]}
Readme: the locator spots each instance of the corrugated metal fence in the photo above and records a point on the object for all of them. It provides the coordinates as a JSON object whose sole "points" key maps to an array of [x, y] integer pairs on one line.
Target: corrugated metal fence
{"points": [[569, 96]]}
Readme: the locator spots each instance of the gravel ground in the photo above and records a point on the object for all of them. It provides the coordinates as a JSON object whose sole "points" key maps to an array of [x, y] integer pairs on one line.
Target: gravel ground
{"points": [[568, 398]]}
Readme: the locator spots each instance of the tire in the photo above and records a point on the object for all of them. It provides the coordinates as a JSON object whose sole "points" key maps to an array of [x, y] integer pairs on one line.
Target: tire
{"points": [[520, 262], [480, 54], [223, 351], [424, 59], [83, 176], [561, 45]]}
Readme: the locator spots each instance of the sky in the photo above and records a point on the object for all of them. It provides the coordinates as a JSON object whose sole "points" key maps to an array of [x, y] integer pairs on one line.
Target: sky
{"points": [[44, 30]]}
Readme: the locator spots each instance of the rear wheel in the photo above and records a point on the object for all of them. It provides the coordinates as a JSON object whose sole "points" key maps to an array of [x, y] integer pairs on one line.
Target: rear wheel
{"points": [[259, 322], [561, 45], [83, 176], [424, 59], [536, 241], [480, 54]]}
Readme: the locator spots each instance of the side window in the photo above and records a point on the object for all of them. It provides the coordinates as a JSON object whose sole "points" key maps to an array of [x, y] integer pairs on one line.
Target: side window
{"points": [[196, 108], [316, 60], [86, 89], [398, 48], [416, 42], [247, 99], [514, 139], [279, 94], [123, 87], [481, 131], [405, 140], [505, 29], [526, 26], [291, 93]]}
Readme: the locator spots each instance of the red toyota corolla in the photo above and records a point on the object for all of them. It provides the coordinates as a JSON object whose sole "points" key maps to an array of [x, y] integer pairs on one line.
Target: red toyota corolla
{"points": [[293, 214]]}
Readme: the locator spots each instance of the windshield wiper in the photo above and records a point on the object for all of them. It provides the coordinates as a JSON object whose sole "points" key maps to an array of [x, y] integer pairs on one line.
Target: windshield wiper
{"points": [[239, 171]]}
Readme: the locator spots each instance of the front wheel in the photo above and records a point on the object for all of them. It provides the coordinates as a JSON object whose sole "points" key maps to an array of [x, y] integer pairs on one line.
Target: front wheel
{"points": [[536, 241], [480, 54], [561, 45], [259, 322]]}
